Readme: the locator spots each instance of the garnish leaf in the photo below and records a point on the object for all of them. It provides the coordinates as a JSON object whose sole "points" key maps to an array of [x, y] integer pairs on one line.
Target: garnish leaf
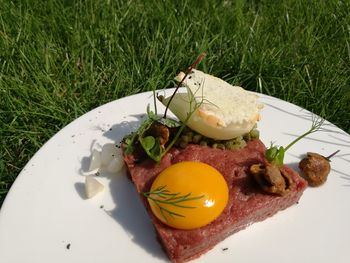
{"points": [[148, 142], [131, 140], [170, 123], [275, 155], [151, 115]]}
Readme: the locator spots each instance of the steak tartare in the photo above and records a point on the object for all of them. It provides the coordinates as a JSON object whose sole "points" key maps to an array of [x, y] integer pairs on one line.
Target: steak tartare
{"points": [[247, 204]]}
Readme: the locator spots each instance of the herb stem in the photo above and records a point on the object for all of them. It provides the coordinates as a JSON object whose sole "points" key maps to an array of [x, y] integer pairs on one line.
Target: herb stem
{"points": [[162, 196], [155, 102], [315, 127], [194, 65], [330, 156]]}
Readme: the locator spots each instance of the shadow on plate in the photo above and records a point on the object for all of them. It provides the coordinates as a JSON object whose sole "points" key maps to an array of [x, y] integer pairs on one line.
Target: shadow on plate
{"points": [[118, 131], [80, 188], [129, 211], [132, 216]]}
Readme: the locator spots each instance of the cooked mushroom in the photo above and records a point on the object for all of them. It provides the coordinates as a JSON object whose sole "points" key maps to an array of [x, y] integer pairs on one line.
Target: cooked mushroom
{"points": [[161, 131], [315, 168], [271, 178]]}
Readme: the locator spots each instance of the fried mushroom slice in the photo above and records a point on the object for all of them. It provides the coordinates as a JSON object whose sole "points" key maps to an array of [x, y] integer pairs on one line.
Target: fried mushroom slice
{"points": [[272, 179]]}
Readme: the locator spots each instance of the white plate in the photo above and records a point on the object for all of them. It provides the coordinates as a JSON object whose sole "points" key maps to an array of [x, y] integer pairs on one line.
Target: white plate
{"points": [[46, 219]]}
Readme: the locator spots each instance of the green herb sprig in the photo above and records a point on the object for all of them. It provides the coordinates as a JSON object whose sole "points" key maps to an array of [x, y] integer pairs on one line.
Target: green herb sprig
{"points": [[162, 196], [276, 154]]}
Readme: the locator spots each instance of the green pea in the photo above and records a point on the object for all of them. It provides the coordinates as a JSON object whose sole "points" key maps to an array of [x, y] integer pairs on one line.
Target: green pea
{"points": [[255, 133], [242, 144], [247, 137], [220, 146], [189, 135], [183, 144], [185, 138], [196, 138], [235, 147], [203, 143], [229, 144]]}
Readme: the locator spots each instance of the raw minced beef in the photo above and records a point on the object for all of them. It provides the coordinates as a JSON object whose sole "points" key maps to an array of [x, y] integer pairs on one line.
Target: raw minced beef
{"points": [[247, 203]]}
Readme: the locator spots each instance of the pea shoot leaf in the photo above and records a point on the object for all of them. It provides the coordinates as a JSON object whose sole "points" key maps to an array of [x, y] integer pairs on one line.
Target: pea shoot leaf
{"points": [[170, 123], [148, 142], [275, 155]]}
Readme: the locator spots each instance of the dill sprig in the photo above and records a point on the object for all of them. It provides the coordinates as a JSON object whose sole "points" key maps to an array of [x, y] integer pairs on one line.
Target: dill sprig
{"points": [[316, 126], [162, 196]]}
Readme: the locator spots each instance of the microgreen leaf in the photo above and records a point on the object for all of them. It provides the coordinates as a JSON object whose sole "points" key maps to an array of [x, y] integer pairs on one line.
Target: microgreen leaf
{"points": [[148, 142], [151, 115], [129, 147], [130, 141], [170, 123], [275, 155], [156, 151], [271, 153]]}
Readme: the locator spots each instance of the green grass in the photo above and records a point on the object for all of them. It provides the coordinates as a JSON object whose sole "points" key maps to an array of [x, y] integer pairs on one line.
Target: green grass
{"points": [[60, 59]]}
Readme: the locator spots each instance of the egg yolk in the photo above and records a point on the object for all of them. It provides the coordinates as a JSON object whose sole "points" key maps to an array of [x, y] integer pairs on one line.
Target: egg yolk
{"points": [[188, 195]]}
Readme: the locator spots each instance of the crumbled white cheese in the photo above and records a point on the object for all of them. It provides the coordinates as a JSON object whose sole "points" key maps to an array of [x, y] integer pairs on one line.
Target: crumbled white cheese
{"points": [[95, 161], [92, 186]]}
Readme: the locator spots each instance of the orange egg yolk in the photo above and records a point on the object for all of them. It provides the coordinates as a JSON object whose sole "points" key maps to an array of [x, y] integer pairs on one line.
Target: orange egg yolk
{"points": [[188, 195]]}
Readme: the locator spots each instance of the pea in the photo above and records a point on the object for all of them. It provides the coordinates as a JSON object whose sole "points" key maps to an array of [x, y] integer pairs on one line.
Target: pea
{"points": [[235, 147], [196, 138], [183, 144], [247, 137], [242, 144], [189, 136], [185, 138], [203, 143], [220, 146], [239, 138], [229, 144], [255, 133]]}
